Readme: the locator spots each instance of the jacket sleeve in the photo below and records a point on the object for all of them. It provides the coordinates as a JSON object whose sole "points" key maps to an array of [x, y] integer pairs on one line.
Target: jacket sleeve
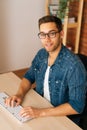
{"points": [[77, 82]]}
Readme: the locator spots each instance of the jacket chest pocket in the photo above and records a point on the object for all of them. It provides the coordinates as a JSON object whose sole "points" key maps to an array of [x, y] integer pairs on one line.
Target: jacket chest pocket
{"points": [[57, 86]]}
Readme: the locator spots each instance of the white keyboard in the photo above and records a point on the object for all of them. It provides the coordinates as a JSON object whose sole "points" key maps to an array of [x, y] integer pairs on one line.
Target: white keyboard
{"points": [[13, 110]]}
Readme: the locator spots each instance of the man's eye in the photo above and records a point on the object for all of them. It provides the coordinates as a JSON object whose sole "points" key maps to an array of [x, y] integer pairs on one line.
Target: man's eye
{"points": [[52, 33], [42, 34]]}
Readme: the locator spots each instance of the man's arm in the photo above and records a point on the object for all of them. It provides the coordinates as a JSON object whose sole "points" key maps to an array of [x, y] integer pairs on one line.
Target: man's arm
{"points": [[62, 110], [24, 87]]}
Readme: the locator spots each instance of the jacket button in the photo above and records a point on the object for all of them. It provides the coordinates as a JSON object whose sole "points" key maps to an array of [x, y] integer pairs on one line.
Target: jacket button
{"points": [[35, 69], [57, 82]]}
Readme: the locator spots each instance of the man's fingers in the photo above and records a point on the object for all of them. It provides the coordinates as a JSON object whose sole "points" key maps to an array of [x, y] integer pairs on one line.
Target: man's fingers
{"points": [[8, 101]]}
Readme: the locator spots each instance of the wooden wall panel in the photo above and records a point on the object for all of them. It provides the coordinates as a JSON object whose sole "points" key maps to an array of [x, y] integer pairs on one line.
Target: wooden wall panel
{"points": [[83, 37], [20, 73]]}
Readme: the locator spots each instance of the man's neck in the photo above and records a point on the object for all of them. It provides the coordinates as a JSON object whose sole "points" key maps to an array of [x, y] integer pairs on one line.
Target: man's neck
{"points": [[53, 55]]}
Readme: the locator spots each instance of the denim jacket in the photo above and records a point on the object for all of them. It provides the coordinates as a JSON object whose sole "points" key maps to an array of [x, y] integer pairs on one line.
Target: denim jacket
{"points": [[67, 78]]}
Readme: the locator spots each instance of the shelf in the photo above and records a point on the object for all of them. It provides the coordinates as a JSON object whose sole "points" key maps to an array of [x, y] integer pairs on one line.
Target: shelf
{"points": [[72, 25]]}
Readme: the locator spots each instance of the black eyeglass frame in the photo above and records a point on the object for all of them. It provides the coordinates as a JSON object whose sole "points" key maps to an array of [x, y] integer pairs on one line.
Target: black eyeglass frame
{"points": [[50, 34]]}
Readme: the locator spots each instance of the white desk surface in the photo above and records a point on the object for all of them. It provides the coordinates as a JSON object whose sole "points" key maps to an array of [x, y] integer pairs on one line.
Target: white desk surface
{"points": [[9, 83]]}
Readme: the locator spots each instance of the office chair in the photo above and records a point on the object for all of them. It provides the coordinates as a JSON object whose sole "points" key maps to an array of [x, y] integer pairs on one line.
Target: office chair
{"points": [[83, 120]]}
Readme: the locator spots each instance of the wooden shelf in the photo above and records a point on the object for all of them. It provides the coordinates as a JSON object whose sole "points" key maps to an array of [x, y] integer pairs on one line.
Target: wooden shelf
{"points": [[72, 25]]}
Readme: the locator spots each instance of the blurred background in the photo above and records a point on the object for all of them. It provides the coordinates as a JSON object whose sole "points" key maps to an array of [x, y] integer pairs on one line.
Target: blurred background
{"points": [[18, 32]]}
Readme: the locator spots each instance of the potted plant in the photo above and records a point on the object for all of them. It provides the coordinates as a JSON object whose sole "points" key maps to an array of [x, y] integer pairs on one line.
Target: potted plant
{"points": [[63, 8]]}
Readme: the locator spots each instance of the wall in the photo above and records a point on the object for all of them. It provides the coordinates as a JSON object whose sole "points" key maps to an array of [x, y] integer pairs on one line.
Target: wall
{"points": [[18, 32]]}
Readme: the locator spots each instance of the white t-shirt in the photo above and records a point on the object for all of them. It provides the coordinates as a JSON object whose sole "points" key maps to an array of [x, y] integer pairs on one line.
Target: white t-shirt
{"points": [[46, 84]]}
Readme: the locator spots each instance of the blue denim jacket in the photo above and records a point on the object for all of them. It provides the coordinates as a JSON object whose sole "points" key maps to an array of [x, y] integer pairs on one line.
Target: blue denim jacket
{"points": [[67, 78]]}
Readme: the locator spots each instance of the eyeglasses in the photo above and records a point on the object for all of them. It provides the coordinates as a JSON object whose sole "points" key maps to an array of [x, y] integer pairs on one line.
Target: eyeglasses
{"points": [[52, 34]]}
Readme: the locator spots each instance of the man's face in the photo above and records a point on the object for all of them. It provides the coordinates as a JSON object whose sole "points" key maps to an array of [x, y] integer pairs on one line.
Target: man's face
{"points": [[50, 43]]}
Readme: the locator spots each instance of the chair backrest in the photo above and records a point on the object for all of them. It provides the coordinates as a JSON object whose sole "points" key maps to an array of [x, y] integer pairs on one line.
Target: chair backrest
{"points": [[84, 61]]}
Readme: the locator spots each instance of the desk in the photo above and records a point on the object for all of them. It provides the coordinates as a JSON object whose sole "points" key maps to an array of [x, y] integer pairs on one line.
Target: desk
{"points": [[9, 83]]}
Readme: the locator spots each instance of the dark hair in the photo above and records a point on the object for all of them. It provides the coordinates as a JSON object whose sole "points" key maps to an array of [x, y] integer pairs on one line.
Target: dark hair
{"points": [[51, 18]]}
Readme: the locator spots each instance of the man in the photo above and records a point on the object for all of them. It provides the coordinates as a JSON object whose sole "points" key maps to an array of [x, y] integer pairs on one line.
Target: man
{"points": [[59, 75]]}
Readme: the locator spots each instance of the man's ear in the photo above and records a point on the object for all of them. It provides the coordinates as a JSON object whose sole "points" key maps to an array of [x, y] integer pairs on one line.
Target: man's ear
{"points": [[62, 34]]}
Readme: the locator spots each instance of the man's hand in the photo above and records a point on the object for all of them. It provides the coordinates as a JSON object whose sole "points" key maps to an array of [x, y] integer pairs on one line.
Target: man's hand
{"points": [[32, 112], [13, 101]]}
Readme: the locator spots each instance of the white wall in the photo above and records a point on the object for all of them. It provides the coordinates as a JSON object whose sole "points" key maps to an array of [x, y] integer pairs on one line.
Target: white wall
{"points": [[19, 27]]}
